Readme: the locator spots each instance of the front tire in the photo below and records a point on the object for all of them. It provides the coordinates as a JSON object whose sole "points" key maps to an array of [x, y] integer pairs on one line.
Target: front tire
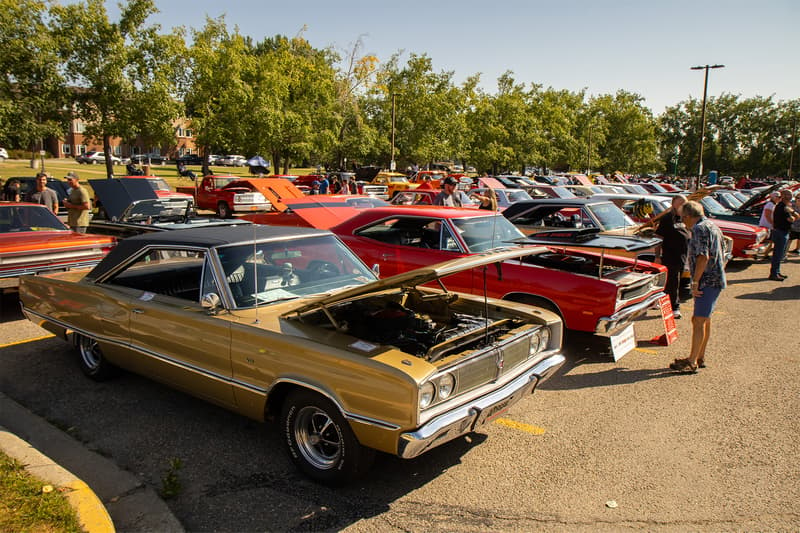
{"points": [[319, 441], [92, 361], [223, 210]]}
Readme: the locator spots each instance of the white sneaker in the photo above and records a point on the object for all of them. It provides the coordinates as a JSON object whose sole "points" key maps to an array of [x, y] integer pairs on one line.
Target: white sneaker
{"points": [[676, 313]]}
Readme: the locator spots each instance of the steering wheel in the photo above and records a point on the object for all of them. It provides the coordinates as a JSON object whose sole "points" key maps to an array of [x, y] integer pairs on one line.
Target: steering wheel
{"points": [[322, 269]]}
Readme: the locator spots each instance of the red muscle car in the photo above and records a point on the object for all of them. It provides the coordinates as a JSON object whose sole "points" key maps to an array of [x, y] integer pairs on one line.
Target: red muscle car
{"points": [[592, 292], [34, 241]]}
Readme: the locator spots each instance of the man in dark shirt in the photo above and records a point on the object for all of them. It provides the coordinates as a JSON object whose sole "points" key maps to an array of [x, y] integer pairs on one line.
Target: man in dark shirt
{"points": [[675, 244], [44, 195], [782, 217]]}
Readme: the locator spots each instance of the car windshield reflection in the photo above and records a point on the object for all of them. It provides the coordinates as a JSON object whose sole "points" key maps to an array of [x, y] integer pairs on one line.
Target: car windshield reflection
{"points": [[269, 272]]}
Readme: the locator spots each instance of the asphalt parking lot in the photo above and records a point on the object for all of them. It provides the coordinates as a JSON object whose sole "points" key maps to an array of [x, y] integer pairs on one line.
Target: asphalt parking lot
{"points": [[601, 446]]}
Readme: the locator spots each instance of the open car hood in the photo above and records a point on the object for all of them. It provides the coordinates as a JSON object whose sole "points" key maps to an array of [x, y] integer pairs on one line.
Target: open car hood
{"points": [[756, 199], [117, 194], [590, 238], [274, 189], [419, 276]]}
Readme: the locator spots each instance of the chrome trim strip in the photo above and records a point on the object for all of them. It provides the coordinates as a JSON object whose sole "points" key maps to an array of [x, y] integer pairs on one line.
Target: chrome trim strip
{"points": [[218, 377], [466, 418], [607, 324], [348, 415]]}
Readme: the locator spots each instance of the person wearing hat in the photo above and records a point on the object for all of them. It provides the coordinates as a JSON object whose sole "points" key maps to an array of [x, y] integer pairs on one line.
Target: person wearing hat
{"points": [[77, 204], [766, 219], [450, 195]]}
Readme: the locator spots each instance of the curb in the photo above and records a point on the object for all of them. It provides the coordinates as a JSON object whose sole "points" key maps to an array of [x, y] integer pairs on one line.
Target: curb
{"points": [[92, 514], [130, 504]]}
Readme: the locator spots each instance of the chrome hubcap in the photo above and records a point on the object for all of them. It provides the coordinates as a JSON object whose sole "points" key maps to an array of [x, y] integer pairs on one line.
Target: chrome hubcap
{"points": [[318, 438]]}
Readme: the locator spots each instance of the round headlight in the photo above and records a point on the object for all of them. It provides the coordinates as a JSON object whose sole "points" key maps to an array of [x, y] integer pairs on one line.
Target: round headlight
{"points": [[447, 383], [536, 341], [426, 393]]}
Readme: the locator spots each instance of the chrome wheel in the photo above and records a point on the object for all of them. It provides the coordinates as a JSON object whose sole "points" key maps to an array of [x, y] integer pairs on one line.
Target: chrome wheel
{"points": [[318, 437], [91, 356]]}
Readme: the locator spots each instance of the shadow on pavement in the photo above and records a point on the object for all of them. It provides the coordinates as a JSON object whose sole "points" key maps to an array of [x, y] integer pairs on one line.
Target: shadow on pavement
{"points": [[234, 473], [779, 293], [9, 307]]}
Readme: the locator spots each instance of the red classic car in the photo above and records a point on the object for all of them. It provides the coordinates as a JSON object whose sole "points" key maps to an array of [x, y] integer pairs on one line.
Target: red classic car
{"points": [[592, 292], [34, 241], [319, 211]]}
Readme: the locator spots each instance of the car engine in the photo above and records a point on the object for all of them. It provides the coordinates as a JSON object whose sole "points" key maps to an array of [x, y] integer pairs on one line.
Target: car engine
{"points": [[423, 325]]}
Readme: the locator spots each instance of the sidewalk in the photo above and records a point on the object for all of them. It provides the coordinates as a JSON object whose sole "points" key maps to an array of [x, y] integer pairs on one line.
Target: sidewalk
{"points": [[102, 492]]}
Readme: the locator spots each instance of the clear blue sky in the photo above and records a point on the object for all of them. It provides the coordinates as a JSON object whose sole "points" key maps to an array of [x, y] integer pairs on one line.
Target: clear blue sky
{"points": [[642, 46]]}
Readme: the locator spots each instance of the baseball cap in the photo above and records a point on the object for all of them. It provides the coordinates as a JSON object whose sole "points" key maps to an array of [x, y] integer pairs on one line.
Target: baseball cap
{"points": [[450, 180], [71, 175]]}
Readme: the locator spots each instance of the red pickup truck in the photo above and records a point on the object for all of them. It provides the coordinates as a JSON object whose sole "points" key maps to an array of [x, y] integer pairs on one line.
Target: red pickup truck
{"points": [[227, 195]]}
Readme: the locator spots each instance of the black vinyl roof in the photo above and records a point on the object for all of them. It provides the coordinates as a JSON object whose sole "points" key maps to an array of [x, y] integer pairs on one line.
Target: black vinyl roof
{"points": [[204, 237]]}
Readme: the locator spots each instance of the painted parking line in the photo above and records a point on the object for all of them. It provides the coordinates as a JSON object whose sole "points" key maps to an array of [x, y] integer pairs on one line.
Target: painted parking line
{"points": [[645, 350], [527, 428], [34, 339]]}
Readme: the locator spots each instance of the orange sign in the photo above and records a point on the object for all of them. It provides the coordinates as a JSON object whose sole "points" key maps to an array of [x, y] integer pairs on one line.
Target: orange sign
{"points": [[670, 328]]}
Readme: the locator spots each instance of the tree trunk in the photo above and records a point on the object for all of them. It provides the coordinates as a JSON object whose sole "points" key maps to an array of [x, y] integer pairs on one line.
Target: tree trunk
{"points": [[107, 151], [276, 161]]}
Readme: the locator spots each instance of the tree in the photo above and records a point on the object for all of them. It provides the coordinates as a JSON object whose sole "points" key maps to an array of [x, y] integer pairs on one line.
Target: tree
{"points": [[124, 72], [33, 92]]}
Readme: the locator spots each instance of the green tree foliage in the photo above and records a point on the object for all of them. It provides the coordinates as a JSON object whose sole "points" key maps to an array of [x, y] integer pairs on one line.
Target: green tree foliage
{"points": [[124, 71], [33, 92]]}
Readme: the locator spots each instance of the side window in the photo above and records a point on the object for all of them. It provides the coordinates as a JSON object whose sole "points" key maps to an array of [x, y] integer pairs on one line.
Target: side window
{"points": [[168, 272], [448, 241]]}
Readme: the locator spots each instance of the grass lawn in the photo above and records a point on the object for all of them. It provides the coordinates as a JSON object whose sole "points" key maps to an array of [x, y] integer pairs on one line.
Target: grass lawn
{"points": [[58, 168], [29, 504]]}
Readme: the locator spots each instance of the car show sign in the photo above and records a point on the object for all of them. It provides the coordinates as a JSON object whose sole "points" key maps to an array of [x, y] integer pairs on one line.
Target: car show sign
{"points": [[670, 329], [623, 342]]}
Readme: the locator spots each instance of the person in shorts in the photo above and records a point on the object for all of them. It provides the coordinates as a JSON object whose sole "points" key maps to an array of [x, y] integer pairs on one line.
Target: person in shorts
{"points": [[707, 265]]}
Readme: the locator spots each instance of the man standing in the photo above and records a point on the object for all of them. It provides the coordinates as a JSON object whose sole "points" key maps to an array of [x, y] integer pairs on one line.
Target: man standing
{"points": [[765, 221], [782, 217], [707, 265], [673, 250], [450, 196], [43, 194], [77, 204]]}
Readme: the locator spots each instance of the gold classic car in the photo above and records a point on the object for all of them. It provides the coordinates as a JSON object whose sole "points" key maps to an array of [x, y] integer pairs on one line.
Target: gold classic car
{"points": [[288, 324]]}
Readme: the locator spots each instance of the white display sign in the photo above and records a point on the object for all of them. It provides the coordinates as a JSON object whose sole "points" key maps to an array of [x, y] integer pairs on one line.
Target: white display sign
{"points": [[623, 342]]}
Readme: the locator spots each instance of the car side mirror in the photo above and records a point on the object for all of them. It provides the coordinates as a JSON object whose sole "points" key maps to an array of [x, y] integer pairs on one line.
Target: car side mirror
{"points": [[376, 268], [210, 302]]}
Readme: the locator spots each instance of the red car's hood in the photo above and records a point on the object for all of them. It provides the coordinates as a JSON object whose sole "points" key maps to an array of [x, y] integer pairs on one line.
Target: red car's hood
{"points": [[739, 227]]}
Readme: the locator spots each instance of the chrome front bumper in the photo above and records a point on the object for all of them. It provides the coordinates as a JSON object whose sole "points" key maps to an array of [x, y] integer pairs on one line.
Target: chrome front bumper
{"points": [[466, 418], [607, 325]]}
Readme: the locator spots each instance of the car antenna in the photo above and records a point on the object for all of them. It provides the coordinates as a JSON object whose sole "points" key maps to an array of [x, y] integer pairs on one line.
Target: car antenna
{"points": [[255, 274]]}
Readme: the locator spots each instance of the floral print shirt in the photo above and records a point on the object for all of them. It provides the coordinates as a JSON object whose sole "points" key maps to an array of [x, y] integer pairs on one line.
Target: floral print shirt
{"points": [[707, 240]]}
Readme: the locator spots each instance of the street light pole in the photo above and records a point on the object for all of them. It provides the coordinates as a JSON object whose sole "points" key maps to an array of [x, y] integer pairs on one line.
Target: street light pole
{"points": [[703, 117], [392, 165]]}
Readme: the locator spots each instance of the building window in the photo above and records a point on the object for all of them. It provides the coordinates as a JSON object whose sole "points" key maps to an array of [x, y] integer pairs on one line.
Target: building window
{"points": [[188, 133], [179, 132], [80, 127], [116, 150], [66, 149], [80, 149]]}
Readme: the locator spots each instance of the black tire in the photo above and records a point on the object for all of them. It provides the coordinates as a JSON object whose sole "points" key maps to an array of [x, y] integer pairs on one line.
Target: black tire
{"points": [[319, 441], [92, 361], [223, 210]]}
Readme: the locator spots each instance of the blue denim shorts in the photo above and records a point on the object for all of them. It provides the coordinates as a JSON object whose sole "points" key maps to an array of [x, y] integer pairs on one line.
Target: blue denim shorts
{"points": [[704, 304]]}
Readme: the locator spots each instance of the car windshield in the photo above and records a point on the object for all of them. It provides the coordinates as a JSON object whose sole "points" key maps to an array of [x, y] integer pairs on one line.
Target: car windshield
{"points": [[485, 233], [714, 207], [563, 192], [729, 200], [517, 195], [19, 218], [268, 272], [158, 184], [610, 216]]}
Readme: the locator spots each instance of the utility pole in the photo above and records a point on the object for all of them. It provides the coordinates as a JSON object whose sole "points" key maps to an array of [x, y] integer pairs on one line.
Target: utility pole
{"points": [[703, 118], [392, 164]]}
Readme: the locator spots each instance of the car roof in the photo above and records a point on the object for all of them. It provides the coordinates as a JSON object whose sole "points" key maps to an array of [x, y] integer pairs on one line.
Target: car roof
{"points": [[201, 237]]}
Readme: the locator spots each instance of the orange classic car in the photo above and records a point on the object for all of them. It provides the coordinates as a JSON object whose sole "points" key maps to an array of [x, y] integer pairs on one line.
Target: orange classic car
{"points": [[34, 241]]}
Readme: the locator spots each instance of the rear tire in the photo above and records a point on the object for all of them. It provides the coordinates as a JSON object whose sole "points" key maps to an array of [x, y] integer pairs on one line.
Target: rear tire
{"points": [[319, 440], [92, 361], [223, 210]]}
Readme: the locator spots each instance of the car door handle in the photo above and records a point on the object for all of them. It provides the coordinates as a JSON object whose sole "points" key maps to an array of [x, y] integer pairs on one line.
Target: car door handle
{"points": [[386, 256], [137, 310]]}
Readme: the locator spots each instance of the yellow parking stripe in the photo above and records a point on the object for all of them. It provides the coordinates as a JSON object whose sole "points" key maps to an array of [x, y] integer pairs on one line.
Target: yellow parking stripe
{"points": [[645, 350], [27, 341], [527, 428]]}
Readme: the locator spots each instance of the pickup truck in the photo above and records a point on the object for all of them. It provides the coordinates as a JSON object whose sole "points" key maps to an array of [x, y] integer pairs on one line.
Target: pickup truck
{"points": [[394, 182], [227, 195]]}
